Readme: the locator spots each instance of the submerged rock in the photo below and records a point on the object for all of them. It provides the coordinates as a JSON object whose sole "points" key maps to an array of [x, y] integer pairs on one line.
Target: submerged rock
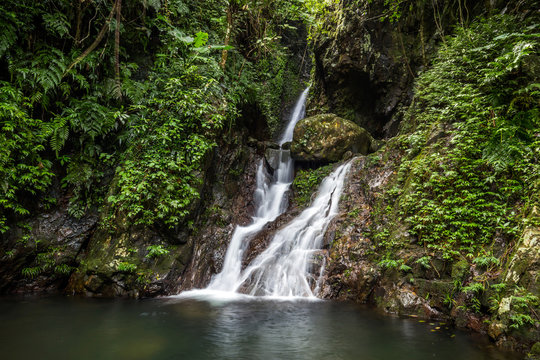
{"points": [[327, 137]]}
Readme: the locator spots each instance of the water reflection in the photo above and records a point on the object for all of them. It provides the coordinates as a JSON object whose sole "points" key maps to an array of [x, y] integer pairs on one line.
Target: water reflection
{"points": [[235, 329]]}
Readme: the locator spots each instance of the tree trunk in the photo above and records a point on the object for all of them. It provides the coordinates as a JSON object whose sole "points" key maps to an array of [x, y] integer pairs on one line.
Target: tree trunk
{"points": [[224, 53], [117, 49]]}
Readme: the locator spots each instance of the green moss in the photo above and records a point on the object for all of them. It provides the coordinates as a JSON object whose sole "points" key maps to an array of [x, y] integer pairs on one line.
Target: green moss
{"points": [[535, 350], [306, 182], [460, 270]]}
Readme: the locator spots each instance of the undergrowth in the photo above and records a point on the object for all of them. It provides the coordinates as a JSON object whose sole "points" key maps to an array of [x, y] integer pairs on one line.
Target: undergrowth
{"points": [[470, 169]]}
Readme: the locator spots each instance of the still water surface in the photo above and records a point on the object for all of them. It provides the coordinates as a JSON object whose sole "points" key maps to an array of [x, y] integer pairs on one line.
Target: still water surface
{"points": [[172, 328]]}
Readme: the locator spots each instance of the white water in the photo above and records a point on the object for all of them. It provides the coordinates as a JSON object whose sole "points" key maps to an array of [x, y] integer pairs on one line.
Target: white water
{"points": [[298, 114], [283, 269]]}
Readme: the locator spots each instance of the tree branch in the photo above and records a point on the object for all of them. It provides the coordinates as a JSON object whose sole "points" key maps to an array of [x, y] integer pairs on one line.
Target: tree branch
{"points": [[96, 42]]}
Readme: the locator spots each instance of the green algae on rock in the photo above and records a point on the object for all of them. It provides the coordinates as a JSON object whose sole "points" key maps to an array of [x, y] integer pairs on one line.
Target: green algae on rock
{"points": [[327, 137]]}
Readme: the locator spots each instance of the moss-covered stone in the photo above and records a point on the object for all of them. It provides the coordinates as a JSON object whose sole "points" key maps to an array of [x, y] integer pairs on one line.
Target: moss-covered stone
{"points": [[535, 351], [460, 269], [327, 137]]}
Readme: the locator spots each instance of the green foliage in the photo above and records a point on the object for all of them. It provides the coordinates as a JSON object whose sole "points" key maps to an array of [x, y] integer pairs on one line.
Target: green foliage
{"points": [[388, 263], [458, 193], [31, 272], [486, 261], [155, 251], [47, 262], [63, 269], [320, 15], [524, 305], [126, 267], [306, 182], [474, 288], [424, 261], [521, 320], [172, 133], [23, 169], [63, 107]]}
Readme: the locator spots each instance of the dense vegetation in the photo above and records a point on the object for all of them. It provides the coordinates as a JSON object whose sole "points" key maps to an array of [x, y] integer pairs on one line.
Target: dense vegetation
{"points": [[467, 185], [144, 87], [481, 181], [116, 108]]}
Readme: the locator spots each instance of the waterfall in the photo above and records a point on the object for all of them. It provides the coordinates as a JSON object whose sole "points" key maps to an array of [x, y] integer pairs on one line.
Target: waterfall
{"points": [[285, 267], [270, 200], [298, 114]]}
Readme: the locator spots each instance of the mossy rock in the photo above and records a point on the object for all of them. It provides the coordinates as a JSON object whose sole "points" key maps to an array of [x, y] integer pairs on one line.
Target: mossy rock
{"points": [[535, 351], [460, 270], [327, 137]]}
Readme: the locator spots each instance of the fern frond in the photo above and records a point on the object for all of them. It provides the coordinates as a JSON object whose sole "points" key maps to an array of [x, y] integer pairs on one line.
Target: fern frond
{"points": [[48, 67], [57, 24], [8, 31]]}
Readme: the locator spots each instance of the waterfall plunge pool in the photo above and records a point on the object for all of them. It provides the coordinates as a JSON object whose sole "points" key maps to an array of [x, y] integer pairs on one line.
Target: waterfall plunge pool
{"points": [[237, 328]]}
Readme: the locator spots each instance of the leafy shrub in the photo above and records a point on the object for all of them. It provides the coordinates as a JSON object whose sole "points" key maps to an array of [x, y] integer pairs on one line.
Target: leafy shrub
{"points": [[155, 251], [307, 181]]}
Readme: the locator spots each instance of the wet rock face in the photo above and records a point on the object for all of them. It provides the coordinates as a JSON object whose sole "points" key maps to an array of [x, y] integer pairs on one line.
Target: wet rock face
{"points": [[230, 204], [40, 256], [274, 157], [118, 260], [327, 138], [365, 65]]}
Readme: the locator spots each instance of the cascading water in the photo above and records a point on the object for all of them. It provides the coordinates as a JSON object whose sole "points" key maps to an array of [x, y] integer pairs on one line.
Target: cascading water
{"points": [[270, 200], [298, 114], [284, 268]]}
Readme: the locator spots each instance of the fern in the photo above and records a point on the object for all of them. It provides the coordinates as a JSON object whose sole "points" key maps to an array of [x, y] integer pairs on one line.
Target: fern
{"points": [[31, 272], [59, 132], [8, 31], [57, 24], [48, 67], [90, 118]]}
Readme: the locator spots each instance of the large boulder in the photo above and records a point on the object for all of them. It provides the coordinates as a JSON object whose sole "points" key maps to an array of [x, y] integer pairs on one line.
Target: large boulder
{"points": [[327, 137]]}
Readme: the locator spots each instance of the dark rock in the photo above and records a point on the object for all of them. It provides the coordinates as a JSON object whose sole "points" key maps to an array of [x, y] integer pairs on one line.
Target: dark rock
{"points": [[54, 235], [275, 156], [365, 65], [228, 207]]}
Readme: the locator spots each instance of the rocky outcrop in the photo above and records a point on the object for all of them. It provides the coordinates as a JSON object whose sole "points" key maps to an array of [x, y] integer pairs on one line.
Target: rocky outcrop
{"points": [[40, 254], [327, 137], [356, 269], [137, 261], [275, 156], [366, 59], [231, 204]]}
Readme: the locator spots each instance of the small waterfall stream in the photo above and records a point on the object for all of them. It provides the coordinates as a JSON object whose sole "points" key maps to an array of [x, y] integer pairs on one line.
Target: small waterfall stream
{"points": [[283, 269], [270, 200]]}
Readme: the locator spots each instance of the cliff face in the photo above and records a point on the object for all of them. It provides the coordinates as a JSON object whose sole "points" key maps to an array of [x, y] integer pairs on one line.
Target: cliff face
{"points": [[366, 58], [122, 262], [55, 252], [430, 225]]}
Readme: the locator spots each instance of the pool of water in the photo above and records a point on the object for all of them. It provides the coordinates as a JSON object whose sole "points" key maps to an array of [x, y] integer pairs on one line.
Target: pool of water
{"points": [[175, 328]]}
